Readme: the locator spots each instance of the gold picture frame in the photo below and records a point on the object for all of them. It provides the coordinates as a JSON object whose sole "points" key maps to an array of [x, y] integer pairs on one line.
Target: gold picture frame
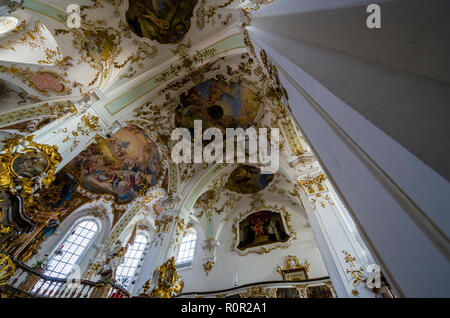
{"points": [[23, 153], [32, 162], [169, 282], [295, 275], [293, 269]]}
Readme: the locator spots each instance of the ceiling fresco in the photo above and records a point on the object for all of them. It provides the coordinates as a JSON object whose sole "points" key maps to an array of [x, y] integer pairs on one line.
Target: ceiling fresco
{"points": [[122, 165], [166, 21], [218, 103], [248, 180]]}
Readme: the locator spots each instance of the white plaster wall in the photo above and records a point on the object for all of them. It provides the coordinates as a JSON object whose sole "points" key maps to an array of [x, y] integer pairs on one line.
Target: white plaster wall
{"points": [[252, 268]]}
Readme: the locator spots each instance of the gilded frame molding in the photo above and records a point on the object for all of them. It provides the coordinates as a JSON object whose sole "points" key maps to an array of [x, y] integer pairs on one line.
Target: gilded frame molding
{"points": [[285, 217], [13, 182], [175, 284]]}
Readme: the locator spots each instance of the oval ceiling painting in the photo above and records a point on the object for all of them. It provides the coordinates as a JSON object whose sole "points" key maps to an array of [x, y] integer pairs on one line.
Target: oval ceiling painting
{"points": [[248, 179], [218, 103], [121, 165], [166, 21]]}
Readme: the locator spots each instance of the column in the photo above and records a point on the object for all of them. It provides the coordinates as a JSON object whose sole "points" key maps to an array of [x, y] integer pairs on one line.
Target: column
{"points": [[375, 120], [345, 258], [170, 229]]}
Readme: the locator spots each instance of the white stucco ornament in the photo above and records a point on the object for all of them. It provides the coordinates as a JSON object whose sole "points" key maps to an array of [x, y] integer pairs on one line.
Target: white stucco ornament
{"points": [[7, 24]]}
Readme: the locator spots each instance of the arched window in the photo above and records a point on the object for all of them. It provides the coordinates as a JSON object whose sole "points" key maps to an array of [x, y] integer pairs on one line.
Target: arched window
{"points": [[187, 248], [7, 24], [68, 254], [70, 251], [126, 270]]}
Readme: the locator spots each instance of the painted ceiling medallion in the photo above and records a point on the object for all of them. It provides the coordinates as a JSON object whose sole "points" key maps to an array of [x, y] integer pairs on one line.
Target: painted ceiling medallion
{"points": [[166, 21], [122, 165], [248, 179], [218, 103]]}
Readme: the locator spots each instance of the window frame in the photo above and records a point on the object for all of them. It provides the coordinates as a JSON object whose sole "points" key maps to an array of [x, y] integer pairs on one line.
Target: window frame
{"points": [[66, 236], [128, 285], [184, 266]]}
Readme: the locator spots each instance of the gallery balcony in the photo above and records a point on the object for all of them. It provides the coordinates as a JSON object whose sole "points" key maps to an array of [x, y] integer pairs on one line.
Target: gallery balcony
{"points": [[21, 281]]}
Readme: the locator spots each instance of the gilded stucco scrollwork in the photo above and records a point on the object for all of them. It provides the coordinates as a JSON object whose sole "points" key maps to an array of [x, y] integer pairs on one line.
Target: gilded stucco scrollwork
{"points": [[207, 14], [32, 36], [355, 272], [99, 47], [255, 5], [169, 283], [314, 185], [292, 262], [16, 174], [259, 292], [7, 269], [208, 266]]}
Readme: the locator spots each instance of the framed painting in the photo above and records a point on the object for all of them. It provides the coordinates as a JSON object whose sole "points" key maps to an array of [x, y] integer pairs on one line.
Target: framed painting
{"points": [[295, 274], [261, 228], [287, 293], [29, 164], [322, 291]]}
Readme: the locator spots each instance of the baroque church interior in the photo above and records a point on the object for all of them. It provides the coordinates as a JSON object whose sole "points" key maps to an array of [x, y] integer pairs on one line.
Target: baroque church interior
{"points": [[94, 204]]}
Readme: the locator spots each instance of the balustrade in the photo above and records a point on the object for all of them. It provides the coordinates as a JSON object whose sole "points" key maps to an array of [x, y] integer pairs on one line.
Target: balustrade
{"points": [[27, 282]]}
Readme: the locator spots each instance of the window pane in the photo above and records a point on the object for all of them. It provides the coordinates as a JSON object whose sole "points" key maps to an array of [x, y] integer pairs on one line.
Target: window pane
{"points": [[60, 265], [187, 248], [125, 271]]}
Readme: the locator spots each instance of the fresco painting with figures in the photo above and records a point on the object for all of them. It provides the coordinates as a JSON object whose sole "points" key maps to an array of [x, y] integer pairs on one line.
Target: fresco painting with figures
{"points": [[248, 179], [166, 21], [261, 228], [121, 165], [217, 103]]}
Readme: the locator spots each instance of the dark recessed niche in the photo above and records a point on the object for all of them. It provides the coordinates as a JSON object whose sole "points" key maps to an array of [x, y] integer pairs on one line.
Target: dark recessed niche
{"points": [[215, 112]]}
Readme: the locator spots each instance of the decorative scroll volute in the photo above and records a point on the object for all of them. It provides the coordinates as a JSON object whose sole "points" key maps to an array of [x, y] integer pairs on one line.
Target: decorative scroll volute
{"points": [[169, 283], [7, 269], [314, 185]]}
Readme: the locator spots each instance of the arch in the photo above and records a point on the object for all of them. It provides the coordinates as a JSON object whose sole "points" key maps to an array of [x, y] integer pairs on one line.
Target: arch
{"points": [[67, 255], [73, 247]]}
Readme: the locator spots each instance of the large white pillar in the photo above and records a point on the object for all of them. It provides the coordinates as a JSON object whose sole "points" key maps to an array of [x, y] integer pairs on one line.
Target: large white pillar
{"points": [[375, 120], [170, 230], [344, 257]]}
